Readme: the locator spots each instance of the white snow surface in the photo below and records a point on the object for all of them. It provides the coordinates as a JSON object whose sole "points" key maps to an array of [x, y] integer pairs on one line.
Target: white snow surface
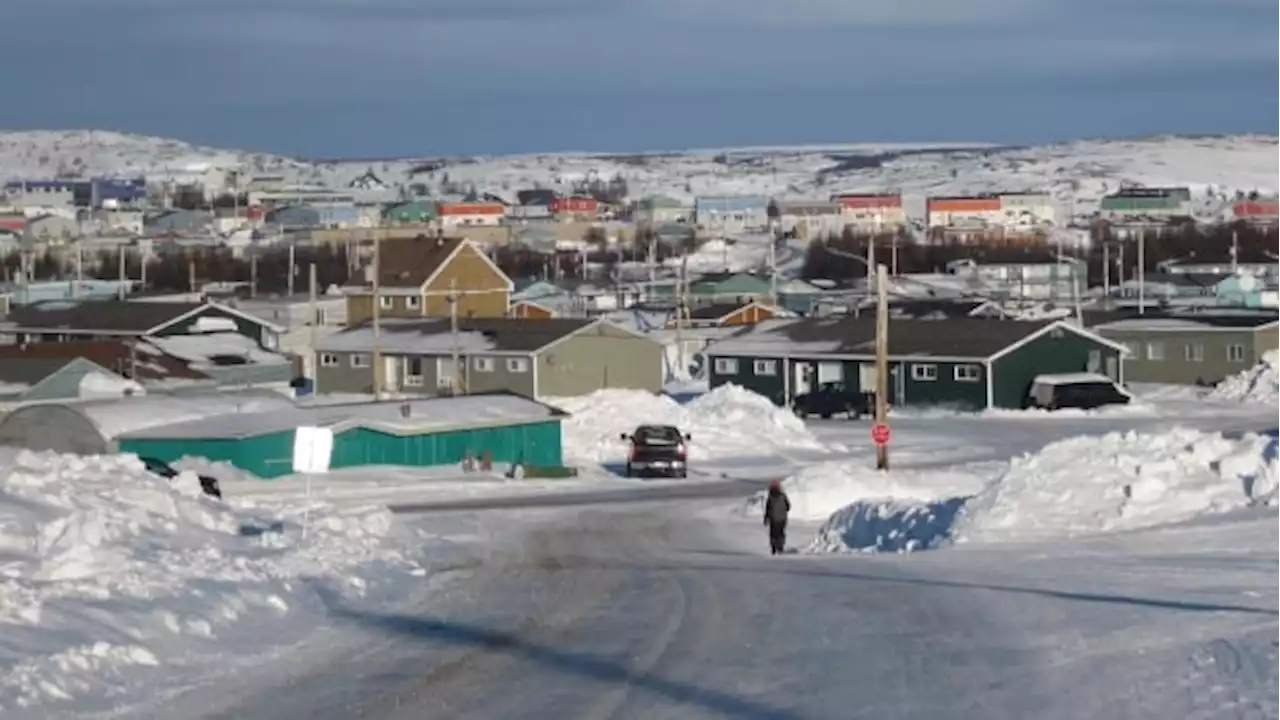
{"points": [[1077, 173], [112, 578], [1259, 384], [728, 422], [123, 415], [1122, 481]]}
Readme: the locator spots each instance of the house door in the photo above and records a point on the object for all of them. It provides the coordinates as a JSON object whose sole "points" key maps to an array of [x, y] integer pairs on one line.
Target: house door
{"points": [[391, 373], [867, 377], [1095, 361], [1113, 368], [801, 374]]}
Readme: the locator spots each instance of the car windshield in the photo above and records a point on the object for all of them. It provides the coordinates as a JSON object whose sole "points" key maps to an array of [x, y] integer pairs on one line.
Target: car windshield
{"points": [[657, 436]]}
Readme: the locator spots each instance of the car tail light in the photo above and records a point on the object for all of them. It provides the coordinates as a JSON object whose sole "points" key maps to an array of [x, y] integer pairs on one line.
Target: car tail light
{"points": [[631, 454], [680, 451]]}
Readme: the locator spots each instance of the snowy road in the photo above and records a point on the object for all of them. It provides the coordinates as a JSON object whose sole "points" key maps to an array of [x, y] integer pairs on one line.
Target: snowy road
{"points": [[673, 611]]}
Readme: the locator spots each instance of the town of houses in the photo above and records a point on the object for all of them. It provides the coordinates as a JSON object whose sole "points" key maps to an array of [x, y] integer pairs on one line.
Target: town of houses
{"points": [[426, 310]]}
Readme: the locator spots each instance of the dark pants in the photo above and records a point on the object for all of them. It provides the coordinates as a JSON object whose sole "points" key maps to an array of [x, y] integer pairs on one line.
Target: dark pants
{"points": [[777, 537]]}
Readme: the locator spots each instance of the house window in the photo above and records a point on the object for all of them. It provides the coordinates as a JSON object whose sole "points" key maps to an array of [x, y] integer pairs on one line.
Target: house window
{"points": [[360, 360], [967, 373], [517, 365], [1155, 351], [413, 302], [482, 364], [924, 373], [270, 341], [320, 318], [765, 367], [385, 302], [1235, 353], [1195, 352], [328, 360], [726, 366], [413, 371]]}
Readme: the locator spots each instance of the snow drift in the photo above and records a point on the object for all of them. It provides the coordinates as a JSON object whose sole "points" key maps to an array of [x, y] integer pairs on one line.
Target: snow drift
{"points": [[1089, 484], [1122, 481], [106, 570], [1259, 384], [726, 422]]}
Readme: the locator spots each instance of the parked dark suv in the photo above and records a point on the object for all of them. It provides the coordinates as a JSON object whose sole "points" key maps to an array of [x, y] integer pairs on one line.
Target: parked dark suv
{"points": [[659, 450], [831, 399], [163, 469], [1079, 391]]}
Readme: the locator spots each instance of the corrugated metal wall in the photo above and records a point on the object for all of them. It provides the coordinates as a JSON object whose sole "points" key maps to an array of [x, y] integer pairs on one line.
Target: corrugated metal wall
{"points": [[268, 456]]}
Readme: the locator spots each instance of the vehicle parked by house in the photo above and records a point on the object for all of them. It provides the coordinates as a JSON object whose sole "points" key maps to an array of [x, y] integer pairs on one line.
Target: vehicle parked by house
{"points": [[658, 449], [1081, 391], [831, 399]]}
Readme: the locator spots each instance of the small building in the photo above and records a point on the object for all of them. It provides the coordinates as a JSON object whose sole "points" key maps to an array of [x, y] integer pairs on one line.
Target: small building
{"points": [[179, 222], [507, 429], [1136, 205], [657, 210], [1027, 211], [80, 370], [80, 320], [1190, 348], [871, 212], [806, 218], [721, 287], [974, 211], [454, 215], [413, 212], [733, 314], [40, 193], [575, 206], [555, 357], [731, 213], [1259, 213], [963, 363], [292, 217], [1248, 291], [531, 310], [52, 228], [425, 277]]}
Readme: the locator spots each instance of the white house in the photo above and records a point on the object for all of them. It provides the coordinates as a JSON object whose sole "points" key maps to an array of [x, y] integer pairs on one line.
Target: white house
{"points": [[293, 313], [806, 218], [868, 213], [1027, 210]]}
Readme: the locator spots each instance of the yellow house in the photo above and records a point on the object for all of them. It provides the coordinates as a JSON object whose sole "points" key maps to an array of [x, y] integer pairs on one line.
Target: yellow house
{"points": [[426, 276]]}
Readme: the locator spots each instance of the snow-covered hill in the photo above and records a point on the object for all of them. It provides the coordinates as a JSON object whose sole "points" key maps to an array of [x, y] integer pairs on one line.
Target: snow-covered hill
{"points": [[1078, 172]]}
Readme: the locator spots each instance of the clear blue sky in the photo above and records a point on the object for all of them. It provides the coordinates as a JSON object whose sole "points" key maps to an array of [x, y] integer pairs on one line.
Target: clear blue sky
{"points": [[400, 77]]}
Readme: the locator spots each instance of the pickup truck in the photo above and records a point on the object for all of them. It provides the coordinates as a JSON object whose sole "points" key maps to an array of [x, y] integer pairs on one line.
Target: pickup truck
{"points": [[657, 450]]}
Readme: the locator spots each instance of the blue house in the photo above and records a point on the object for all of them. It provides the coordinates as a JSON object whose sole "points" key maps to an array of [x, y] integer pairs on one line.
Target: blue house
{"points": [[1247, 291]]}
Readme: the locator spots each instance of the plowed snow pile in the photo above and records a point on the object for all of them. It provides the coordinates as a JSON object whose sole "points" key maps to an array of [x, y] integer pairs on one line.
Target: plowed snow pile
{"points": [[112, 579], [726, 422], [1259, 384], [1122, 481]]}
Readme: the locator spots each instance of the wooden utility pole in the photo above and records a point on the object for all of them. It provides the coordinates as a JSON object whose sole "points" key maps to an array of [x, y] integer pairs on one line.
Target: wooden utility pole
{"points": [[882, 362], [312, 322], [1142, 271], [376, 349], [253, 274], [453, 297], [122, 272], [681, 310], [293, 268], [191, 275]]}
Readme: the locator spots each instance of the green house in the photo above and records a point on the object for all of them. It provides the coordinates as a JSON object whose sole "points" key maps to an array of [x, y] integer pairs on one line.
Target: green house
{"points": [[720, 287], [418, 433], [963, 363], [410, 213]]}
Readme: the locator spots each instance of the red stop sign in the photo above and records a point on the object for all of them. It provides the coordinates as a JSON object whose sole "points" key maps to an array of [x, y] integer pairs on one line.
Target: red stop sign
{"points": [[880, 434]]}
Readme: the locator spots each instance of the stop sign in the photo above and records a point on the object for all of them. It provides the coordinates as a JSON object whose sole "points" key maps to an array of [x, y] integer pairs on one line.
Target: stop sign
{"points": [[880, 434]]}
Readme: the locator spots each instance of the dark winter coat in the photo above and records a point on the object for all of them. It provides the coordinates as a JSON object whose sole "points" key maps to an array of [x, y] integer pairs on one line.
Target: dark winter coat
{"points": [[776, 507]]}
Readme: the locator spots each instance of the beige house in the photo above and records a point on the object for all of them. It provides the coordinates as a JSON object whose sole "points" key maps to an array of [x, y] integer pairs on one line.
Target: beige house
{"points": [[1192, 348], [532, 357]]}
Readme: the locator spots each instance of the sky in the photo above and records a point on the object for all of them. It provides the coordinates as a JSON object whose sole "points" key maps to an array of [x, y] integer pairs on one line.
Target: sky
{"points": [[380, 78]]}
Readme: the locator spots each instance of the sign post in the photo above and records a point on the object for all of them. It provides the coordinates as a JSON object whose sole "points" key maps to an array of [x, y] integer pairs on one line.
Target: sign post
{"points": [[882, 367], [312, 452]]}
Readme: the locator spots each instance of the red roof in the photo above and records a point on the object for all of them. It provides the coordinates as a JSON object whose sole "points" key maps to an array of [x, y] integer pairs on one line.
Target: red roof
{"points": [[1256, 208]]}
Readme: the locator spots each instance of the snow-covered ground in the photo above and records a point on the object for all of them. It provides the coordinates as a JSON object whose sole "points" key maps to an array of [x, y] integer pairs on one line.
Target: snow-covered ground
{"points": [[1077, 173], [112, 579], [1260, 385]]}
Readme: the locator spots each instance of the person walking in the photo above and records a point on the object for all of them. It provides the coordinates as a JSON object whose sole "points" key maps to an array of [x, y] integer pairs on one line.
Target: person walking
{"points": [[776, 507]]}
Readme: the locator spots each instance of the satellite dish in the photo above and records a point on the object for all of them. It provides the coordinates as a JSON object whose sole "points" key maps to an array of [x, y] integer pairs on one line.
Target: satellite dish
{"points": [[1248, 283]]}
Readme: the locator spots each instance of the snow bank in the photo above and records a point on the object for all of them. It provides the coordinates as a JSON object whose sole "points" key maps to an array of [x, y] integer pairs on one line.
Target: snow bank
{"points": [[107, 570], [1259, 384], [1122, 481], [726, 422], [819, 490]]}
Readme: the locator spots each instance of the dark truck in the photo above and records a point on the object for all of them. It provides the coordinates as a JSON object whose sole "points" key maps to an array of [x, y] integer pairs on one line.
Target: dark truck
{"points": [[831, 399], [657, 450]]}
